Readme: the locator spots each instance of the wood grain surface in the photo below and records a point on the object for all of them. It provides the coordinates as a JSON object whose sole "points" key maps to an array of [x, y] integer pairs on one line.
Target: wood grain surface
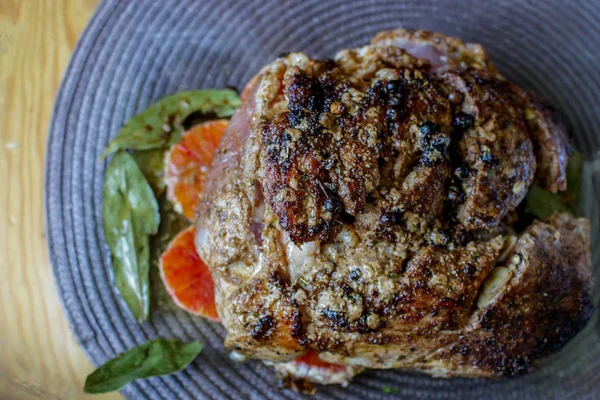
{"points": [[39, 357]]}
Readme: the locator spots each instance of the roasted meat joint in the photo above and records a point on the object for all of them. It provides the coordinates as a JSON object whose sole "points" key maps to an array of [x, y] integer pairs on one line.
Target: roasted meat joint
{"points": [[368, 208]]}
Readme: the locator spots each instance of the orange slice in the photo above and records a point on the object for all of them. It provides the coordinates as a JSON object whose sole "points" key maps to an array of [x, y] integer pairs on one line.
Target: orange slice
{"points": [[311, 359], [309, 368], [187, 162], [187, 279]]}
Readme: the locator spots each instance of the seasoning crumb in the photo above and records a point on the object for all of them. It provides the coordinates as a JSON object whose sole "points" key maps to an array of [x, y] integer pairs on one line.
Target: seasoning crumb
{"points": [[237, 357], [518, 187], [516, 259]]}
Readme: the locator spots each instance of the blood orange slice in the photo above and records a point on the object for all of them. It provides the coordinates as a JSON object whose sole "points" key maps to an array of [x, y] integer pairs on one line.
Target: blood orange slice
{"points": [[187, 279], [187, 162], [309, 368], [311, 359]]}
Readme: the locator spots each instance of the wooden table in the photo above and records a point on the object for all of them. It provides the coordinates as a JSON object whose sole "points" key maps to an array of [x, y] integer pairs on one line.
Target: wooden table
{"points": [[39, 357]]}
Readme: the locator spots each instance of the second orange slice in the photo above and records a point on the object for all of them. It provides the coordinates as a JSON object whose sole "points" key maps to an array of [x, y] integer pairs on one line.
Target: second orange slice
{"points": [[187, 162], [187, 279]]}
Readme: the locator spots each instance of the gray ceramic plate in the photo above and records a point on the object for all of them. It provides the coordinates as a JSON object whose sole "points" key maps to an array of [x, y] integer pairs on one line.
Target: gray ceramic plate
{"points": [[133, 53]]}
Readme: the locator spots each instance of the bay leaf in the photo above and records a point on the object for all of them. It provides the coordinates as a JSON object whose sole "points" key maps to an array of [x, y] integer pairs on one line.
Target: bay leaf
{"points": [[542, 203], [161, 124], [171, 223], [574, 182], [154, 358], [152, 164], [131, 215]]}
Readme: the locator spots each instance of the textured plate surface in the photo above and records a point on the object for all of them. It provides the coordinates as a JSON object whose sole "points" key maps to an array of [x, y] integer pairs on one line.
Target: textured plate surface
{"points": [[134, 53]]}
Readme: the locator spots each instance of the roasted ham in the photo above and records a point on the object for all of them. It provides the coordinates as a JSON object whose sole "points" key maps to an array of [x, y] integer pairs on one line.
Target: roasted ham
{"points": [[365, 208]]}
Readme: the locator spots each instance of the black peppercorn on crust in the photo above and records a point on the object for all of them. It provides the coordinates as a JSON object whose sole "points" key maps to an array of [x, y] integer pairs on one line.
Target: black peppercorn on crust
{"points": [[363, 207]]}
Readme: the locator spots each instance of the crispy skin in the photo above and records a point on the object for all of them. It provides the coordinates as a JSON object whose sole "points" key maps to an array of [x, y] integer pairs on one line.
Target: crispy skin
{"points": [[550, 140], [333, 130], [327, 125], [418, 311], [546, 129], [360, 207], [331, 139], [546, 302], [496, 150]]}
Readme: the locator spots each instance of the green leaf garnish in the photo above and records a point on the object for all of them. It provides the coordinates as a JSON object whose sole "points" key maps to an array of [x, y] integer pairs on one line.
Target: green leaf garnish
{"points": [[541, 203], [154, 358], [574, 181], [152, 164], [171, 224], [131, 215], [161, 124]]}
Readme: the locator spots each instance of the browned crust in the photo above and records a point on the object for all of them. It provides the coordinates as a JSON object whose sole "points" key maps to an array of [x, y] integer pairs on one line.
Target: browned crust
{"points": [[270, 333], [550, 140], [324, 147], [496, 149], [547, 302]]}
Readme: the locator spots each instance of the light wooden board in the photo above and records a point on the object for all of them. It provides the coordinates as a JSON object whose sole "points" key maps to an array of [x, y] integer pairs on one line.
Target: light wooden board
{"points": [[39, 357]]}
